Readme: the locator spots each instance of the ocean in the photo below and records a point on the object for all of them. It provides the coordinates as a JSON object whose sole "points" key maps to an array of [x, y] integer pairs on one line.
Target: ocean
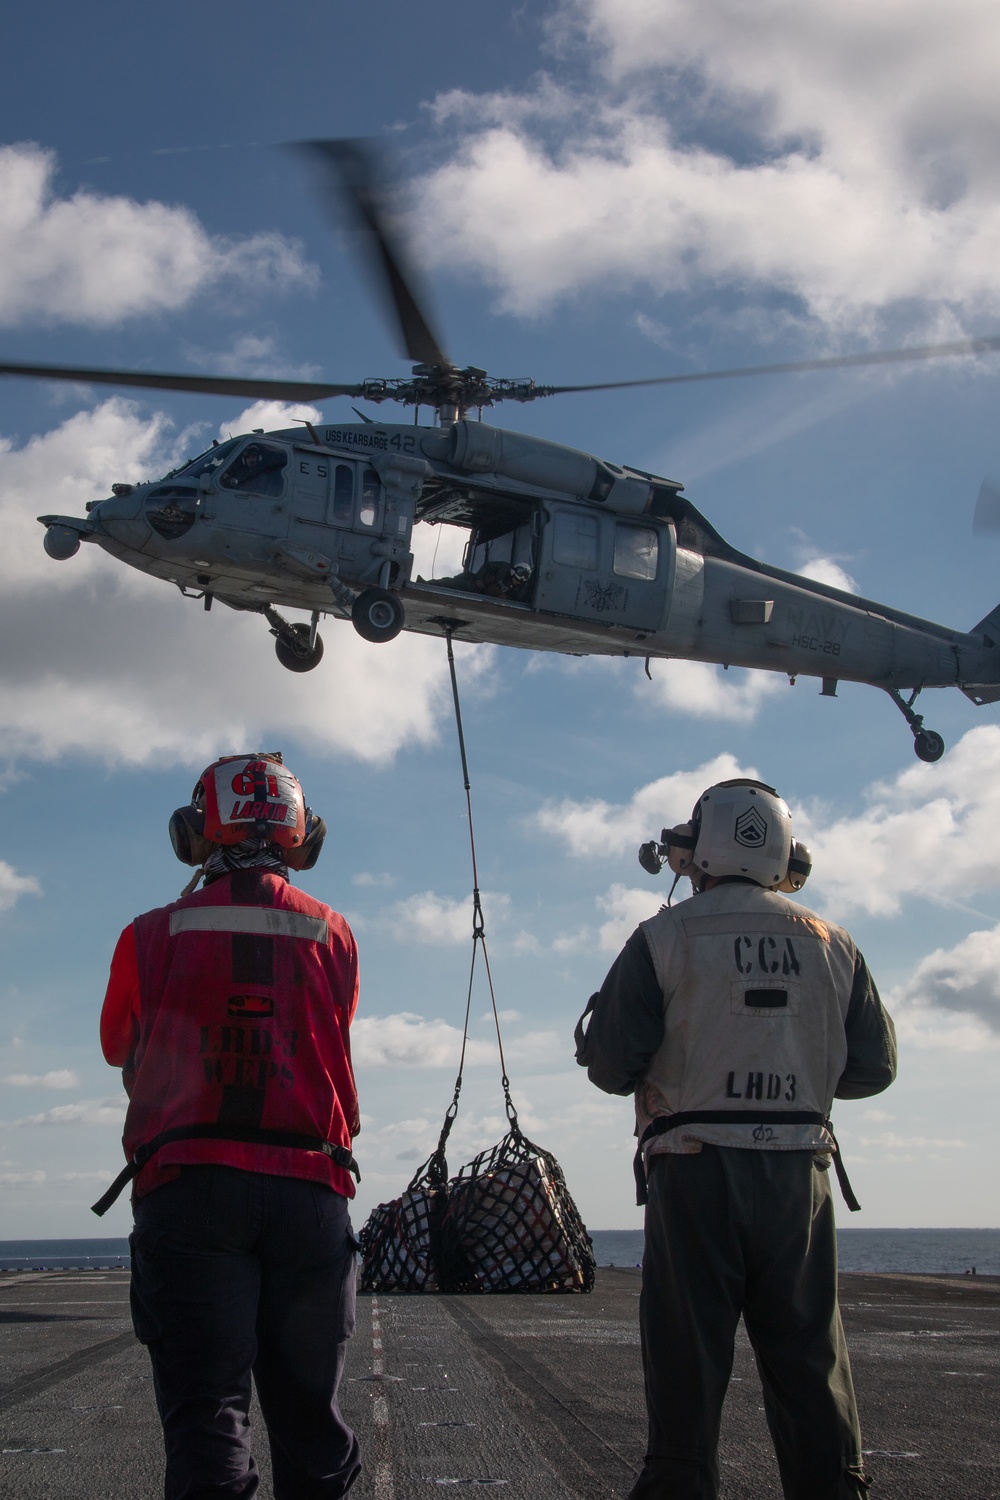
{"points": [[952, 1252]]}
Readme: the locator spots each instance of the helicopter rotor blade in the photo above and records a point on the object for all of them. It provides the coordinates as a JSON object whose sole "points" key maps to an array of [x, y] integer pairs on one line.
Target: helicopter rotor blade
{"points": [[986, 517], [203, 385], [350, 171], [794, 366]]}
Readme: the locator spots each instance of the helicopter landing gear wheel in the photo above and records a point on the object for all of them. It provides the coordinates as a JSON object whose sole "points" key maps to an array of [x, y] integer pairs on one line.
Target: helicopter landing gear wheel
{"points": [[296, 655], [927, 745], [377, 615]]}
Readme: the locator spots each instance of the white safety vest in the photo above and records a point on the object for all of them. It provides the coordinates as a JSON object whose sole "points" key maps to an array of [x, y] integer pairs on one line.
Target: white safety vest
{"points": [[755, 996]]}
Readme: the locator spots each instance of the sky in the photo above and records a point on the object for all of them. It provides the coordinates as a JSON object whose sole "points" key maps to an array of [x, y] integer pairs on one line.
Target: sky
{"points": [[595, 191]]}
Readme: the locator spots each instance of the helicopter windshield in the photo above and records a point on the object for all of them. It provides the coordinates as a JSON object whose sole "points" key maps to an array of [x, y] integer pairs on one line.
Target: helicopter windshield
{"points": [[206, 463]]}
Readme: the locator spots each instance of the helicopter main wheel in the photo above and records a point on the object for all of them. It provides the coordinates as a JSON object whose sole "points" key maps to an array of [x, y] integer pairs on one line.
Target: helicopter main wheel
{"points": [[927, 745], [297, 656], [377, 615]]}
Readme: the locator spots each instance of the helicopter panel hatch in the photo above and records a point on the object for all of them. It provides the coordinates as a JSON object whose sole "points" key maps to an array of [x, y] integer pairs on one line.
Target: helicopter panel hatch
{"points": [[603, 568], [251, 489]]}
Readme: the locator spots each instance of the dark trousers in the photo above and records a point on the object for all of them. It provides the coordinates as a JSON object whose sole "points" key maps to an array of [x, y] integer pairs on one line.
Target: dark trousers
{"points": [[238, 1273], [731, 1232]]}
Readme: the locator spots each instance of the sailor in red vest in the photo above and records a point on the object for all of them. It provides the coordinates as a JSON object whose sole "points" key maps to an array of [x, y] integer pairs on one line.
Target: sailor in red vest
{"points": [[229, 1013]]}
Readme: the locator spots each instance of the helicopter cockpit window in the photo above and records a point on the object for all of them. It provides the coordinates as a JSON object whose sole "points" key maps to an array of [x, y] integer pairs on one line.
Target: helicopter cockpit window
{"points": [[259, 467], [576, 541], [371, 497], [343, 494], [636, 551], [210, 462]]}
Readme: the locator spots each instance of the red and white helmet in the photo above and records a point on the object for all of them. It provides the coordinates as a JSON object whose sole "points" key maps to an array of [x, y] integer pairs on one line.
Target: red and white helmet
{"points": [[250, 796]]}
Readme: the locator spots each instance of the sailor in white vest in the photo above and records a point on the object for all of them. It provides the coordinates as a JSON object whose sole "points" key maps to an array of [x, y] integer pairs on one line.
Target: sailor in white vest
{"points": [[736, 1018]]}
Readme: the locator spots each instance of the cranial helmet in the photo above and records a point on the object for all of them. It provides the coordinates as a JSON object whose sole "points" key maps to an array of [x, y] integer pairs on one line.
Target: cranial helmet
{"points": [[738, 828], [251, 796]]}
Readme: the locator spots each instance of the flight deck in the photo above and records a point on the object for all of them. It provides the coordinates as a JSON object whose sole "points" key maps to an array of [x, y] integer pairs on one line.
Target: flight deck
{"points": [[535, 1397]]}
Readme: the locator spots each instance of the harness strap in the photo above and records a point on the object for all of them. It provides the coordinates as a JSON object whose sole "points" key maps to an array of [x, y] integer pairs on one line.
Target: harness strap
{"points": [[758, 1117], [253, 1133]]}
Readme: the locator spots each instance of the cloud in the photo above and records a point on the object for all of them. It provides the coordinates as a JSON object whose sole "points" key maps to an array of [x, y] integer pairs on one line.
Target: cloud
{"points": [[96, 259], [930, 833], [694, 687], [18, 1179], [825, 570], [95, 658], [57, 1078], [843, 155], [952, 998], [406, 1040], [927, 833], [596, 829], [13, 886], [438, 920], [87, 1112], [625, 908]]}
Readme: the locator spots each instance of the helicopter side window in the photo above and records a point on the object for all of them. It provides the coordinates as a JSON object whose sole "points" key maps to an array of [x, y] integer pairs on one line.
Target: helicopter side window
{"points": [[343, 494], [371, 498], [576, 541], [258, 468], [636, 551]]}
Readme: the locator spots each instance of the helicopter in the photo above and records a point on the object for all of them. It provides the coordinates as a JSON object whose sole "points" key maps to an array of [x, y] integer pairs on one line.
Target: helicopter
{"points": [[565, 551]]}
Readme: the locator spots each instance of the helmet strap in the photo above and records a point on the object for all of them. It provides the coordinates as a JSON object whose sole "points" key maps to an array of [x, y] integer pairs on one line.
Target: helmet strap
{"points": [[192, 883]]}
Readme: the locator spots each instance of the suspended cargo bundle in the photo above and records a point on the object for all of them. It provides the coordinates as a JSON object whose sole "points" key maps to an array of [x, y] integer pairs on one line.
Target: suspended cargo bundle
{"points": [[507, 1222], [401, 1241], [512, 1226]]}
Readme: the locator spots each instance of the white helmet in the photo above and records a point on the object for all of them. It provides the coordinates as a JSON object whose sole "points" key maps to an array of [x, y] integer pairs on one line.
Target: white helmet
{"points": [[738, 828]]}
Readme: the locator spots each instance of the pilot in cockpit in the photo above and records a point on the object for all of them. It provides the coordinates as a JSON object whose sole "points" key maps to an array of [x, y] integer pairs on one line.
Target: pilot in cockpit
{"points": [[258, 468]]}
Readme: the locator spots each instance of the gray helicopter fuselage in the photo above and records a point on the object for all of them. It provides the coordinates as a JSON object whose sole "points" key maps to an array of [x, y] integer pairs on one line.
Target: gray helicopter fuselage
{"points": [[565, 553]]}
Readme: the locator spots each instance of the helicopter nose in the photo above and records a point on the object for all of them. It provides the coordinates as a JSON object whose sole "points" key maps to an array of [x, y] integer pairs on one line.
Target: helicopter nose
{"points": [[121, 518]]}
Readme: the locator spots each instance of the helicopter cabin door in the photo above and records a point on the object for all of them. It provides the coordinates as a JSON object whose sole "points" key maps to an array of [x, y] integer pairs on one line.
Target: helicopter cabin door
{"points": [[253, 489], [602, 567]]}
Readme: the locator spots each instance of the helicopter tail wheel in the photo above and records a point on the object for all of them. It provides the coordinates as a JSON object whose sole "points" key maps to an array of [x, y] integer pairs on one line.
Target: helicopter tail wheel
{"points": [[927, 745], [378, 615], [295, 654], [61, 542]]}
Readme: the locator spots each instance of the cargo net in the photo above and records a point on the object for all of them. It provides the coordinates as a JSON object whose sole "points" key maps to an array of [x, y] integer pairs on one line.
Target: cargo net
{"points": [[507, 1222]]}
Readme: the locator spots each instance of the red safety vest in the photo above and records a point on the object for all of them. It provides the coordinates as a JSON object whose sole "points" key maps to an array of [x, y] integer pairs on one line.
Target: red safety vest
{"points": [[246, 991]]}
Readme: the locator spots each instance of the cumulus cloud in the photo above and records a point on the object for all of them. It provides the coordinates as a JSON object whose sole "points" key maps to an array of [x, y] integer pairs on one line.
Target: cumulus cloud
{"points": [[96, 259], [56, 1078], [87, 1112], [13, 886], [624, 909], [438, 920], [929, 832], [597, 829], [826, 570], [95, 658], [952, 998], [406, 1040], [843, 154], [694, 687]]}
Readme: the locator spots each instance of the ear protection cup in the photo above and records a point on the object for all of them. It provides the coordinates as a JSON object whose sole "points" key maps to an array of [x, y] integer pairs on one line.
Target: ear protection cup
{"points": [[187, 835], [680, 842], [308, 852], [799, 868]]}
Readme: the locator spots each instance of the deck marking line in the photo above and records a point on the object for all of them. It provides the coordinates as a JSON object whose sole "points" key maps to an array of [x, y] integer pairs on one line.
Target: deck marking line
{"points": [[385, 1485]]}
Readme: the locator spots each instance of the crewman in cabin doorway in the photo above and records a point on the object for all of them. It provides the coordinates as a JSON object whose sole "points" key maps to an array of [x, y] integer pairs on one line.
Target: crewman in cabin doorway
{"points": [[736, 1018], [229, 1012]]}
